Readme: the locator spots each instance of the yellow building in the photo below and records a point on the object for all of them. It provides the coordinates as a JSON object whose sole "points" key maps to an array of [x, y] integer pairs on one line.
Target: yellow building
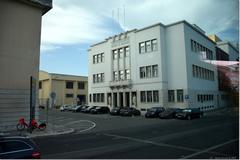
{"points": [[69, 89], [20, 34]]}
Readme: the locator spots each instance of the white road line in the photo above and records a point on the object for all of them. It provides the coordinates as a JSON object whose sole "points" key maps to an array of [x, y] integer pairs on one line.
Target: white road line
{"points": [[210, 148], [160, 144], [93, 125]]}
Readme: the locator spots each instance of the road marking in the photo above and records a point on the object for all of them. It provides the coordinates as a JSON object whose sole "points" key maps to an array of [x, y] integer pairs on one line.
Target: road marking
{"points": [[160, 144], [93, 125], [210, 148]]}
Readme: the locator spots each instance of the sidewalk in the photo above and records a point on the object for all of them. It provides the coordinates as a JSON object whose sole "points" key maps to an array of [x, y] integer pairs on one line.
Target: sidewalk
{"points": [[51, 130]]}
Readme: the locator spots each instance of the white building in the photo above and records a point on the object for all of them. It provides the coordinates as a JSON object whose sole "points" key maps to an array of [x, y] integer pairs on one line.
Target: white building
{"points": [[159, 65]]}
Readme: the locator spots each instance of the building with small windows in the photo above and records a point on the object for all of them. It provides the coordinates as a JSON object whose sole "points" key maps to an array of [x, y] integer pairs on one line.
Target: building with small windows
{"points": [[159, 65], [69, 89]]}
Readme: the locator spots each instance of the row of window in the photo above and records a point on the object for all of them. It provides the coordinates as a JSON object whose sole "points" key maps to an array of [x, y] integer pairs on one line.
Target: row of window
{"points": [[206, 107], [120, 53], [171, 95], [225, 97], [204, 97], [148, 46], [203, 73], [149, 71], [121, 75], [69, 85], [196, 47], [97, 97], [98, 58], [98, 78], [149, 96]]}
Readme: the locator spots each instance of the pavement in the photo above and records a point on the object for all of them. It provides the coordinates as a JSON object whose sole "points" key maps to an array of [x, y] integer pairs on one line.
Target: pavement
{"points": [[51, 130]]}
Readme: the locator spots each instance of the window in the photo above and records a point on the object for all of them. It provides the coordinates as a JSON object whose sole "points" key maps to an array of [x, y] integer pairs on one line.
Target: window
{"points": [[142, 72], [155, 96], [203, 73], [155, 70], [121, 75], [98, 58], [98, 97], [149, 71], [98, 78], [115, 76], [192, 47], [121, 53], [69, 95], [80, 85], [90, 97], [94, 60], [143, 96], [171, 96], [127, 74], [102, 97], [149, 96], [154, 45], [94, 98], [148, 46], [142, 47], [40, 85], [102, 57], [69, 85], [126, 53], [102, 77], [115, 54], [11, 146], [180, 95]]}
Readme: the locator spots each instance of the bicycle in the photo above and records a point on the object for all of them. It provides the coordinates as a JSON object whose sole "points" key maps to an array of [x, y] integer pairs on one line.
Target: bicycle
{"points": [[32, 125]]}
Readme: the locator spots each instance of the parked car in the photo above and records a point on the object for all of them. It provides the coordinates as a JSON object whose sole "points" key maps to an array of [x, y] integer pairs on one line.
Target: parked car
{"points": [[129, 111], [83, 108], [18, 147], [100, 109], [71, 107], [154, 112], [169, 113], [77, 108], [115, 111], [88, 109], [64, 108], [189, 113]]}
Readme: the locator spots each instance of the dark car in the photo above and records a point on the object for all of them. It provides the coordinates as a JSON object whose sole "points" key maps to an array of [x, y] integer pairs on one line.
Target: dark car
{"points": [[154, 112], [189, 113], [129, 111], [169, 113], [18, 147], [100, 109], [115, 111], [88, 109]]}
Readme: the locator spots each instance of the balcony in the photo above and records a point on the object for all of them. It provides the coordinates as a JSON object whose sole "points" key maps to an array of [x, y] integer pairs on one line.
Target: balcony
{"points": [[120, 83]]}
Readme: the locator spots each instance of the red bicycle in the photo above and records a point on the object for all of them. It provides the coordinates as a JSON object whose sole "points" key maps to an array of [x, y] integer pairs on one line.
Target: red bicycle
{"points": [[32, 125]]}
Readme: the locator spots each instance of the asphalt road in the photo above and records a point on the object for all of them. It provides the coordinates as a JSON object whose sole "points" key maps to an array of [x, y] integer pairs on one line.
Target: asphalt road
{"points": [[216, 135]]}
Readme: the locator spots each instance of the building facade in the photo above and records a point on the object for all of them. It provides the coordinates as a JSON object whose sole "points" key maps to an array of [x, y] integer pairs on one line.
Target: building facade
{"points": [[160, 65], [20, 30], [69, 89]]}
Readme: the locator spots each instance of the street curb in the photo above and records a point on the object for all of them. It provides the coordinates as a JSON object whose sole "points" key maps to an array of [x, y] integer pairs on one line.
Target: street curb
{"points": [[53, 134]]}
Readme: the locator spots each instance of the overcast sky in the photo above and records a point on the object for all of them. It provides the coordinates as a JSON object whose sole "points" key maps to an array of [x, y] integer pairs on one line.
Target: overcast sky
{"points": [[73, 25]]}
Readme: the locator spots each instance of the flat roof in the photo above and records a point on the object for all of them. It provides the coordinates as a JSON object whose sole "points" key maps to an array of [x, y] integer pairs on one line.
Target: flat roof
{"points": [[45, 5], [159, 24], [227, 43]]}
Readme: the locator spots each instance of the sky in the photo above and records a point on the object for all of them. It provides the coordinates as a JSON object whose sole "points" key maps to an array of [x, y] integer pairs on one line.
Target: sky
{"points": [[71, 26]]}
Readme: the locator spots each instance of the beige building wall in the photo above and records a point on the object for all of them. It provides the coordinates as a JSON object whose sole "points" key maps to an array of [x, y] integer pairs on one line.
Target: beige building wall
{"points": [[20, 30], [57, 83]]}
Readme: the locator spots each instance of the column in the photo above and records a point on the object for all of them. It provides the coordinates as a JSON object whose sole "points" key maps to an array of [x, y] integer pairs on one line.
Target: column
{"points": [[124, 98], [118, 104], [130, 98], [112, 96]]}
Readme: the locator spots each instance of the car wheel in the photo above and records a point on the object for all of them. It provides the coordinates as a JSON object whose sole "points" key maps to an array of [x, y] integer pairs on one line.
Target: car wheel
{"points": [[189, 117]]}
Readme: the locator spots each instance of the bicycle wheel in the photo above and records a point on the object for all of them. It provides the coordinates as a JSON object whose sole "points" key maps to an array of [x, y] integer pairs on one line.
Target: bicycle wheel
{"points": [[20, 127]]}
